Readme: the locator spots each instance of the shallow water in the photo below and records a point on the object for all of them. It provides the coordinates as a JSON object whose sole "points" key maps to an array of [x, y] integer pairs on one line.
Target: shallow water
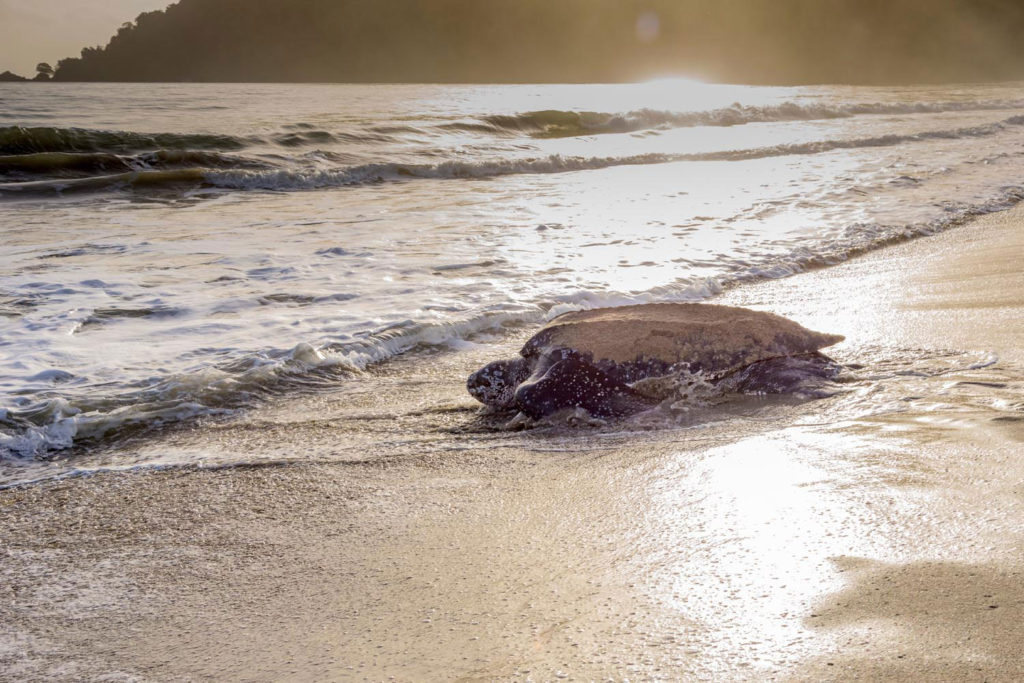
{"points": [[175, 251]]}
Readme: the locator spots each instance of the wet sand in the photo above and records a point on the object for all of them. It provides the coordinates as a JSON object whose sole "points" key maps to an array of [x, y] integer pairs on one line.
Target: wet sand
{"points": [[877, 535]]}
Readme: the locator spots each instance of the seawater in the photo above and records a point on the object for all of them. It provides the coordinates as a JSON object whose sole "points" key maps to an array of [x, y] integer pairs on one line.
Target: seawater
{"points": [[171, 251]]}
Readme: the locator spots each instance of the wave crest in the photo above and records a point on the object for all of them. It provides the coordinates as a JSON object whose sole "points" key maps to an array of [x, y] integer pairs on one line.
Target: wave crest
{"points": [[90, 164], [559, 123], [300, 179], [21, 140]]}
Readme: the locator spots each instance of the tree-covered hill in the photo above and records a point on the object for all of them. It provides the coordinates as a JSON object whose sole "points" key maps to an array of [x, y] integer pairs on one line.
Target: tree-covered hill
{"points": [[754, 41]]}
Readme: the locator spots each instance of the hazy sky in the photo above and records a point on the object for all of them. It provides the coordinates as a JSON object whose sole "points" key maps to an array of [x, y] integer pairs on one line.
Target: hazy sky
{"points": [[33, 31]]}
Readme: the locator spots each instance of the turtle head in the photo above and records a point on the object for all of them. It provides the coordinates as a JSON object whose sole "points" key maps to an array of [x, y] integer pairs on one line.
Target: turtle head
{"points": [[495, 384]]}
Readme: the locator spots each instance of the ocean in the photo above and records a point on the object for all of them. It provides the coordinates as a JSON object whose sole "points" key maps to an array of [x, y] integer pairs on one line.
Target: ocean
{"points": [[180, 253]]}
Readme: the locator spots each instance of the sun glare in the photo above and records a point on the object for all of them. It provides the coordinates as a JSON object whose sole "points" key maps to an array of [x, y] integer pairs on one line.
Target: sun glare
{"points": [[675, 81]]}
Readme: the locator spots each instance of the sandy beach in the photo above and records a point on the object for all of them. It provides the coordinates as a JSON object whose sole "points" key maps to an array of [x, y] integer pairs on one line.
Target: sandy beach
{"points": [[875, 535]]}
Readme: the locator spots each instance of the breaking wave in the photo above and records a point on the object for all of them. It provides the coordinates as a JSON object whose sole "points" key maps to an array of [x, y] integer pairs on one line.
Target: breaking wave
{"points": [[72, 164], [59, 160], [296, 179], [213, 169], [20, 140], [128, 179], [35, 431], [558, 123]]}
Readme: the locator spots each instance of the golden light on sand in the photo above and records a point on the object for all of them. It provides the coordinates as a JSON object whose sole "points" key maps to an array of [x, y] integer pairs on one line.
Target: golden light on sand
{"points": [[778, 514]]}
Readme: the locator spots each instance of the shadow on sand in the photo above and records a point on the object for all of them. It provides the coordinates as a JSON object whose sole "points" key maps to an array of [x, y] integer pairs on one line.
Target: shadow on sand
{"points": [[923, 621]]}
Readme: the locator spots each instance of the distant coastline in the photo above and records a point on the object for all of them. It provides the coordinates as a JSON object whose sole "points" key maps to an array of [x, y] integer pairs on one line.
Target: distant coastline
{"points": [[572, 41]]}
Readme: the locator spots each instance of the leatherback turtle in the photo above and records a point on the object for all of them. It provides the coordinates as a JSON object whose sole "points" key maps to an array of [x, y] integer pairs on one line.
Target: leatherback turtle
{"points": [[616, 362]]}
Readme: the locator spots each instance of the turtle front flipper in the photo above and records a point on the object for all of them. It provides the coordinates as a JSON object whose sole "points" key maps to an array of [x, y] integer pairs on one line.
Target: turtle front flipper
{"points": [[573, 383]]}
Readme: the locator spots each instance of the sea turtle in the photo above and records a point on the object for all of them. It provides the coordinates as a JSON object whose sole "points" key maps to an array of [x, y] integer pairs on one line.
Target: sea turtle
{"points": [[616, 362]]}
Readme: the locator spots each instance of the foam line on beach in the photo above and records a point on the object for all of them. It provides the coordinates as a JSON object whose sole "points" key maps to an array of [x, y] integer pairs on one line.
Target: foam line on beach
{"points": [[59, 425]]}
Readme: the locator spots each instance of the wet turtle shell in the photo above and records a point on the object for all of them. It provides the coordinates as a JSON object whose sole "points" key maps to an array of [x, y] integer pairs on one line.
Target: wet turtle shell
{"points": [[632, 343]]}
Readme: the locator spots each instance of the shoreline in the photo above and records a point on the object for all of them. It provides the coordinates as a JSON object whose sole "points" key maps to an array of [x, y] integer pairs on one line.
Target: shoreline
{"points": [[862, 537]]}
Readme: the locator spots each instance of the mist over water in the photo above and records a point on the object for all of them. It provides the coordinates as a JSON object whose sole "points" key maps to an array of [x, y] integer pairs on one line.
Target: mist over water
{"points": [[182, 250]]}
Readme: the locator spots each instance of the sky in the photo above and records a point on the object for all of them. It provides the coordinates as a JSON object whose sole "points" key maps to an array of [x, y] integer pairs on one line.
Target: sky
{"points": [[33, 31]]}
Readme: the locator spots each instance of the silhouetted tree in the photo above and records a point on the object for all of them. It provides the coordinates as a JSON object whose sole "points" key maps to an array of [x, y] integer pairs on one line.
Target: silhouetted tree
{"points": [[44, 71]]}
